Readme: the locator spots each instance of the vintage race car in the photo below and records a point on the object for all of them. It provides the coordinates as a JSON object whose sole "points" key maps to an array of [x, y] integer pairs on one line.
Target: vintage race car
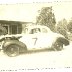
{"points": [[34, 37]]}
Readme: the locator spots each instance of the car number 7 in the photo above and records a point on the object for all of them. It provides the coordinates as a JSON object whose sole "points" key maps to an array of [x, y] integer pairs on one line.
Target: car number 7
{"points": [[35, 40]]}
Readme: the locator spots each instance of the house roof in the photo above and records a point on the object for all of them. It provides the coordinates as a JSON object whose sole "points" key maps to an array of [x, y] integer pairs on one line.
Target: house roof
{"points": [[13, 22]]}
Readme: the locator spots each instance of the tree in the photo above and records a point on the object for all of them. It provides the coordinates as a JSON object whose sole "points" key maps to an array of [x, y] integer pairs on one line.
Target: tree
{"points": [[69, 26], [62, 24], [46, 17], [3, 30], [62, 27]]}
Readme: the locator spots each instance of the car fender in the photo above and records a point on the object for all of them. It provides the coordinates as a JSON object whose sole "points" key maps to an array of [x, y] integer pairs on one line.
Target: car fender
{"points": [[63, 40], [9, 42]]}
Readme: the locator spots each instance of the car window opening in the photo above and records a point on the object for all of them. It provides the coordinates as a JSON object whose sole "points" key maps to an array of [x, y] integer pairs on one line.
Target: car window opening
{"points": [[35, 30]]}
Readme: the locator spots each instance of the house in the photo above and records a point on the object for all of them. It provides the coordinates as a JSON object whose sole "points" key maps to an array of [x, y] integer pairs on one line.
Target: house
{"points": [[14, 27]]}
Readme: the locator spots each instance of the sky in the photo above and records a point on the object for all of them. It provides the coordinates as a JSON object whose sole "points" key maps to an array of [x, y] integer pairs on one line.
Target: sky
{"points": [[27, 12]]}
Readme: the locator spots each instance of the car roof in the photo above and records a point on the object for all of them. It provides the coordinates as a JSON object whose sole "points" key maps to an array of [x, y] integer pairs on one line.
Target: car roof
{"points": [[36, 26]]}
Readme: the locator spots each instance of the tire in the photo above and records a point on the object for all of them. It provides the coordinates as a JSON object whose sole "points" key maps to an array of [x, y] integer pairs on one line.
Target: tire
{"points": [[57, 46], [12, 50]]}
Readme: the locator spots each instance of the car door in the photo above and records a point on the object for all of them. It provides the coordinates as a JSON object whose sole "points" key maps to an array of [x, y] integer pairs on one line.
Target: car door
{"points": [[34, 35], [30, 38]]}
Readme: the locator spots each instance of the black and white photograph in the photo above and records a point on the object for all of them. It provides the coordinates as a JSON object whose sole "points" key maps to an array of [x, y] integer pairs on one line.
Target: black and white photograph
{"points": [[35, 36]]}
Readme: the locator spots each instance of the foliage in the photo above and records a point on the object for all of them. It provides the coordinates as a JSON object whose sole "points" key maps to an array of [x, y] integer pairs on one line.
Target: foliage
{"points": [[62, 24], [62, 27], [69, 26], [46, 17], [3, 30]]}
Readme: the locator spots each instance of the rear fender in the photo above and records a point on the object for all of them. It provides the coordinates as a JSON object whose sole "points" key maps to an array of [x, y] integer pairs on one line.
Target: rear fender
{"points": [[63, 40]]}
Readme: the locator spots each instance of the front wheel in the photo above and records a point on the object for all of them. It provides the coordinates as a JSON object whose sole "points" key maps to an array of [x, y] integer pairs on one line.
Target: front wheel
{"points": [[57, 46], [12, 50]]}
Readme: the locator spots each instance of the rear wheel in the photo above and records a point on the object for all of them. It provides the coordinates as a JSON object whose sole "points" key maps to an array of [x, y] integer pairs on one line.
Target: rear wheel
{"points": [[12, 50]]}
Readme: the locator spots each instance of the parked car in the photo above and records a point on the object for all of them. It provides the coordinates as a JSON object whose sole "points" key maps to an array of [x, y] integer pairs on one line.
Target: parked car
{"points": [[34, 37]]}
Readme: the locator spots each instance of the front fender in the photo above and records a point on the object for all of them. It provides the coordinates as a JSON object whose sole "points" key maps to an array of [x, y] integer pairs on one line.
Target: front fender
{"points": [[9, 42]]}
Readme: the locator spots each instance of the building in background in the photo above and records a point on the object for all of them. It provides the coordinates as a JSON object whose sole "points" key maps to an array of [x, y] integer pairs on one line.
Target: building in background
{"points": [[14, 27]]}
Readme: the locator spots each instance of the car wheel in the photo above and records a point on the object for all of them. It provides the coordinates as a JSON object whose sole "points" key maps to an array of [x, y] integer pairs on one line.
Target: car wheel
{"points": [[12, 50], [57, 46]]}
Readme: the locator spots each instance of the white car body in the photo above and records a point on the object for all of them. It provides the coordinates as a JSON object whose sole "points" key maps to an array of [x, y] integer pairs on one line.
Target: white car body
{"points": [[34, 37], [43, 39]]}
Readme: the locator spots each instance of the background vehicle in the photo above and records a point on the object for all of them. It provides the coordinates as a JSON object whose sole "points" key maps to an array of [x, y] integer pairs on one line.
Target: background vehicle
{"points": [[34, 37]]}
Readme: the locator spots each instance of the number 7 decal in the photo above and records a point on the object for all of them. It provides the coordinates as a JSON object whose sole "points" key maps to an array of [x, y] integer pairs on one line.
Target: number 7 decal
{"points": [[35, 40]]}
